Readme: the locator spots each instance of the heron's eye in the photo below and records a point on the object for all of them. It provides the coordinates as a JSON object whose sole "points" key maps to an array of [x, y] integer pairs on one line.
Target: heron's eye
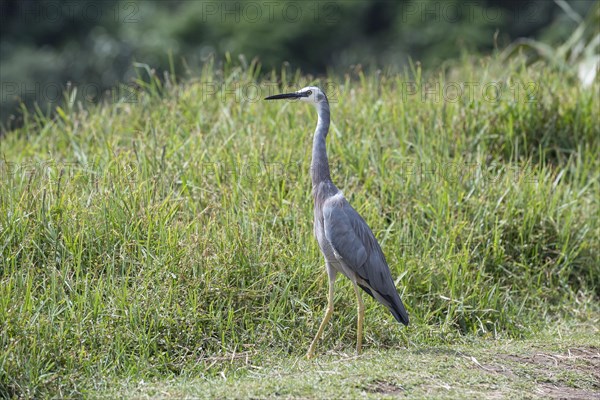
{"points": [[309, 92]]}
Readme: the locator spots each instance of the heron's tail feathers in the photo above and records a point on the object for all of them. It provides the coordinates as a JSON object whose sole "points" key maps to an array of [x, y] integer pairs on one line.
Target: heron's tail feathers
{"points": [[393, 303], [399, 312]]}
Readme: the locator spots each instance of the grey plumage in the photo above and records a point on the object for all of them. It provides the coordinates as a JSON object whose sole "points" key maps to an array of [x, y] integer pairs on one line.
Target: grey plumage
{"points": [[345, 239]]}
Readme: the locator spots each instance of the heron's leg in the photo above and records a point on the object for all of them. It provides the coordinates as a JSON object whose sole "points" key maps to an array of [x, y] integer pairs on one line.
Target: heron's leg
{"points": [[331, 273], [361, 318]]}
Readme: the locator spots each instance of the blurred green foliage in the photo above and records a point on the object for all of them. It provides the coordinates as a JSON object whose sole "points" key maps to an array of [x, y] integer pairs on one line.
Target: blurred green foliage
{"points": [[579, 54], [47, 45]]}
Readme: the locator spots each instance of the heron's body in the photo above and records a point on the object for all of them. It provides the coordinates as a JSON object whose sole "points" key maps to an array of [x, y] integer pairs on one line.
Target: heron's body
{"points": [[346, 241]]}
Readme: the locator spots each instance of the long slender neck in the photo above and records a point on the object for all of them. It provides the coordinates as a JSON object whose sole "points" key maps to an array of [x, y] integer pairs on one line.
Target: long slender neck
{"points": [[319, 166]]}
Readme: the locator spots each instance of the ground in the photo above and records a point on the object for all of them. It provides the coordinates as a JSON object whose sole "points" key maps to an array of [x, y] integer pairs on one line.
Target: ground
{"points": [[558, 365]]}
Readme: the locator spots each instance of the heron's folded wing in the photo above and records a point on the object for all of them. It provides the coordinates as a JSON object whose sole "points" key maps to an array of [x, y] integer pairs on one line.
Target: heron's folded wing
{"points": [[340, 233], [355, 245]]}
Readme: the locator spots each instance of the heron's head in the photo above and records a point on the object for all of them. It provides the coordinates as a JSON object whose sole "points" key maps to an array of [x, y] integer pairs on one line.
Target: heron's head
{"points": [[309, 94]]}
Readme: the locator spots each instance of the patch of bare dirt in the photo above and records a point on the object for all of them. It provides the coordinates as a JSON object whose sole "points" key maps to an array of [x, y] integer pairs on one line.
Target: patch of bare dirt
{"points": [[383, 387], [550, 366], [581, 359], [564, 392]]}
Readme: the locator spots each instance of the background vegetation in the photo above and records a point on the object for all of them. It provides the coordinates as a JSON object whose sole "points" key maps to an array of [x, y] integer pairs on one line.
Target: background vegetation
{"points": [[47, 45]]}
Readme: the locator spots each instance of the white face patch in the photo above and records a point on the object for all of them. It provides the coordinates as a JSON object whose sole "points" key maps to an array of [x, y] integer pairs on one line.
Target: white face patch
{"points": [[315, 95]]}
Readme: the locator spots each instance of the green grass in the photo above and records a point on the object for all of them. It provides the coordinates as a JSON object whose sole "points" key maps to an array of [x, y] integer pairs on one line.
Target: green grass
{"points": [[561, 363], [154, 240]]}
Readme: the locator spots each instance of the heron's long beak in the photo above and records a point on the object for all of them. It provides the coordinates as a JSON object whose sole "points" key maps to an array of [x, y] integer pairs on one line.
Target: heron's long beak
{"points": [[285, 96]]}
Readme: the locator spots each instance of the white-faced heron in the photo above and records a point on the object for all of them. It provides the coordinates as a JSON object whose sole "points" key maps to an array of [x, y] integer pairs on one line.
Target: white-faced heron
{"points": [[344, 237]]}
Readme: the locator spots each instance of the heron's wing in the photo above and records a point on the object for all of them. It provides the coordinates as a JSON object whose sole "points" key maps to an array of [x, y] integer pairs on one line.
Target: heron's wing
{"points": [[353, 241], [355, 245]]}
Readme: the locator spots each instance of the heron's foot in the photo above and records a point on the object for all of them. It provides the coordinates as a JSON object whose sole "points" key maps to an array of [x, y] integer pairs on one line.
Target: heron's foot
{"points": [[311, 350], [359, 340]]}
